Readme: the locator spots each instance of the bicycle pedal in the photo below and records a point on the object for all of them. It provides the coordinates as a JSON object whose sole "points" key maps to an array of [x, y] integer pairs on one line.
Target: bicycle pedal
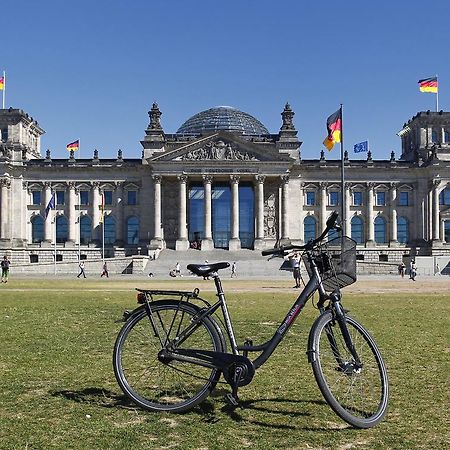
{"points": [[231, 399]]}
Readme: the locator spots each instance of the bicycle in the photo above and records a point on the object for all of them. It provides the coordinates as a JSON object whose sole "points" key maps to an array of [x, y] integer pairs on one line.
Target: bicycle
{"points": [[171, 352]]}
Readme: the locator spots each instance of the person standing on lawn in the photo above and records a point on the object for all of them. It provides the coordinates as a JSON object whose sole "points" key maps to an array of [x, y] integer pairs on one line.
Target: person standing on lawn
{"points": [[5, 269]]}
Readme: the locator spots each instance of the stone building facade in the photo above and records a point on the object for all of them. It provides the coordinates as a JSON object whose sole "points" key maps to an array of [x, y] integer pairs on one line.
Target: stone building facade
{"points": [[221, 181]]}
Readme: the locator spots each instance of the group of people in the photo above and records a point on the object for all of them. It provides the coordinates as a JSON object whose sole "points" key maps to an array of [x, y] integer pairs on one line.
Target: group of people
{"points": [[412, 269], [82, 272]]}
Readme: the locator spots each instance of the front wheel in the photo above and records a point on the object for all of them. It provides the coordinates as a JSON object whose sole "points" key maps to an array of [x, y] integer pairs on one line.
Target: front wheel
{"points": [[357, 392], [159, 384]]}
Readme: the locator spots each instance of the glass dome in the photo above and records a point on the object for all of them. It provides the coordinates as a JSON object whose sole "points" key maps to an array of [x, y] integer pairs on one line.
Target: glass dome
{"points": [[223, 118]]}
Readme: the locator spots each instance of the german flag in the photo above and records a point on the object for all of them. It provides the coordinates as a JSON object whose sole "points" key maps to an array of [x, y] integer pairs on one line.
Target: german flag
{"points": [[429, 85], [2, 83], [75, 145], [334, 128]]}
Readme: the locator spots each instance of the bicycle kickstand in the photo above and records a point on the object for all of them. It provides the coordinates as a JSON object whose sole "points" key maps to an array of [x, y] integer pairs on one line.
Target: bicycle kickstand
{"points": [[232, 397]]}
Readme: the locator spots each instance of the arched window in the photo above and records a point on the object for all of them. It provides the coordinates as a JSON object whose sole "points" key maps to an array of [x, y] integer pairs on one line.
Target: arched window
{"points": [[402, 230], [132, 230], [357, 230], [85, 230], [110, 229], [62, 229], [310, 228], [380, 230], [37, 229]]}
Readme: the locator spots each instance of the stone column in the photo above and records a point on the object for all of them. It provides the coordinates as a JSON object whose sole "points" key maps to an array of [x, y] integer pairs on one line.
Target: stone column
{"points": [[285, 207], [96, 202], [323, 207], [235, 242], [300, 215], [182, 242], [207, 242], [393, 206], [5, 185], [370, 218], [348, 202], [119, 216], [436, 220], [72, 214], [259, 238], [157, 233], [48, 227]]}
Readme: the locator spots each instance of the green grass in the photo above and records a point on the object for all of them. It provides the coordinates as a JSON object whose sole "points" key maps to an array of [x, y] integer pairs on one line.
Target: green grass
{"points": [[58, 391]]}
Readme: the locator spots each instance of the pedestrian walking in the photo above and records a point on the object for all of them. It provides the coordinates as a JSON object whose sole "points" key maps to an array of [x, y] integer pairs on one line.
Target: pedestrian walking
{"points": [[5, 269], [401, 269], [105, 271], [294, 258], [177, 269], [412, 270], [233, 270], [438, 269], [81, 266]]}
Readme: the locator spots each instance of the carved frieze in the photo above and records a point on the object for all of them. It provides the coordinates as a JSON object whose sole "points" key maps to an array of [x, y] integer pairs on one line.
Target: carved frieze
{"points": [[218, 150]]}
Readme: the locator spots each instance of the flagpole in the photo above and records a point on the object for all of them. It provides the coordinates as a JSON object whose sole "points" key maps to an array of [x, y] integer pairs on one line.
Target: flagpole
{"points": [[54, 244], [4, 88], [437, 95], [343, 196]]}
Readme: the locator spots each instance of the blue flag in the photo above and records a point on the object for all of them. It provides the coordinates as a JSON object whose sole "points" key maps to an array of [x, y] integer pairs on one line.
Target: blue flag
{"points": [[51, 205], [361, 147]]}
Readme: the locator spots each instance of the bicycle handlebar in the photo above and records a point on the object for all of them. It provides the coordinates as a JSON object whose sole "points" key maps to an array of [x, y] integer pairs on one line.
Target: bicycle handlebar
{"points": [[331, 224]]}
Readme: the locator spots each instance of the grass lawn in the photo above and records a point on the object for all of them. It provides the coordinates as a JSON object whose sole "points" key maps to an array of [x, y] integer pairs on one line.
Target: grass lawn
{"points": [[58, 391]]}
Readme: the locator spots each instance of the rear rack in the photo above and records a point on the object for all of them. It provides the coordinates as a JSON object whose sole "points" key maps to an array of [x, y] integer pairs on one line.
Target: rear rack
{"points": [[143, 293]]}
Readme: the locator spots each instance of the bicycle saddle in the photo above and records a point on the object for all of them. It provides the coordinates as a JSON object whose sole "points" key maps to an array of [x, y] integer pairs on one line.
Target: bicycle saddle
{"points": [[203, 270]]}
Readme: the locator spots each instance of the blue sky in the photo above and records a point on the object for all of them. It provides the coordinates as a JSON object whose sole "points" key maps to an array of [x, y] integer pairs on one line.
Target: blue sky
{"points": [[91, 69]]}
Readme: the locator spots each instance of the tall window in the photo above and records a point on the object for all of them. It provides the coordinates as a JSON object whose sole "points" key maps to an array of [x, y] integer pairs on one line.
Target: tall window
{"points": [[381, 198], [84, 197], [221, 215], [357, 198], [310, 227], [380, 230], [85, 230], [132, 197], [132, 230], [246, 216], [62, 229], [310, 198], [402, 230], [403, 198], [446, 136], [36, 197], [37, 229], [108, 196], [110, 229], [435, 136], [447, 231], [196, 214], [60, 200], [334, 198], [444, 197], [357, 230]]}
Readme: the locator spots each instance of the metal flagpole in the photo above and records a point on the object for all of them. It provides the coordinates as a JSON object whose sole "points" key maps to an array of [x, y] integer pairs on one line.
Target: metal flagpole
{"points": [[437, 94], [79, 229], [343, 196], [4, 88], [54, 215]]}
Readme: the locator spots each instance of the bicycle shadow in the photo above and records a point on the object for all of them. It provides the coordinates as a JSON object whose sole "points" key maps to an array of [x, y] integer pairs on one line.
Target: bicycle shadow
{"points": [[96, 396]]}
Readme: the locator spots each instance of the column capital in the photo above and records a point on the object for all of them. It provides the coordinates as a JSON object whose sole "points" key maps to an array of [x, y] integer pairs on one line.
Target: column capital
{"points": [[323, 185], [285, 179], [235, 179], [207, 179], [157, 178], [182, 178], [71, 185], [5, 182], [348, 186], [370, 186], [393, 185], [435, 183], [260, 179]]}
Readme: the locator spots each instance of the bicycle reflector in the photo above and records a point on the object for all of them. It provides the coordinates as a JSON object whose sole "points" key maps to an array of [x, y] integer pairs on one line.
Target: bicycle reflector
{"points": [[140, 297]]}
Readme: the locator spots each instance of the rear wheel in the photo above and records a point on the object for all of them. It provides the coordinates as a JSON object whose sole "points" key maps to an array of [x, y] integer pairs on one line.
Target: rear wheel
{"points": [[357, 393], [163, 384]]}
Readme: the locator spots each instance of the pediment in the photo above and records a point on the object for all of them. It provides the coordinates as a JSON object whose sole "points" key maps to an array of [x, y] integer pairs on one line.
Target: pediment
{"points": [[222, 147]]}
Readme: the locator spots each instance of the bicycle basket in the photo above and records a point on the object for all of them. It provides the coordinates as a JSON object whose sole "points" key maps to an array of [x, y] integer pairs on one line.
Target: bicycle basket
{"points": [[336, 262]]}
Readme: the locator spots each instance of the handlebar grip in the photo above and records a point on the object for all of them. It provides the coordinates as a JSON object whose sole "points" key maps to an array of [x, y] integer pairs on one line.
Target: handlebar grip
{"points": [[270, 251]]}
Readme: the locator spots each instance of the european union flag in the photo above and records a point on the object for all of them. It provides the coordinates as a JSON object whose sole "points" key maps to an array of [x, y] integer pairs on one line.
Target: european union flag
{"points": [[361, 147], [51, 205]]}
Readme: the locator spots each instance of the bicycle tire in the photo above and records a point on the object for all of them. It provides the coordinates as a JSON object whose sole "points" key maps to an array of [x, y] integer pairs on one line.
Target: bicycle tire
{"points": [[359, 396], [173, 386]]}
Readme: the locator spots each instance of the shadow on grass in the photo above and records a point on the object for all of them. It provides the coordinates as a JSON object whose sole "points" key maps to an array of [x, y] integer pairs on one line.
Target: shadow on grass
{"points": [[96, 396]]}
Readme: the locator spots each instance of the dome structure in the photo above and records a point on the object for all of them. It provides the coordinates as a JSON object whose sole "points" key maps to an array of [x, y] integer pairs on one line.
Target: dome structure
{"points": [[223, 118]]}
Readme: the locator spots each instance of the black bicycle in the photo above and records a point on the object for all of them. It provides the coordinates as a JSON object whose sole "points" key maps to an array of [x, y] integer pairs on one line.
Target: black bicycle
{"points": [[171, 351]]}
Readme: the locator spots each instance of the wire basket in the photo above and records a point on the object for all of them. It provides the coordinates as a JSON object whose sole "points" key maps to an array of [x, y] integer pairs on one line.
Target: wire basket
{"points": [[336, 262]]}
